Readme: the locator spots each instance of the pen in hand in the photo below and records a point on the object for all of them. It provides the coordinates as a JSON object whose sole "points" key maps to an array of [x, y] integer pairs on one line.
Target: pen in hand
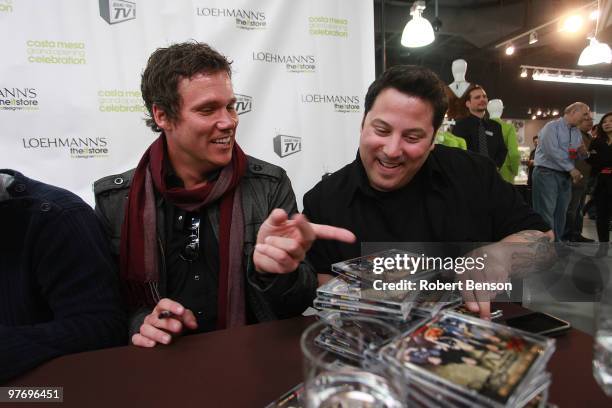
{"points": [[164, 314]]}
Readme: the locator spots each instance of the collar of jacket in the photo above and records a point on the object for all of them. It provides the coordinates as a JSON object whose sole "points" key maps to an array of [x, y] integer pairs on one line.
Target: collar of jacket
{"points": [[7, 178]]}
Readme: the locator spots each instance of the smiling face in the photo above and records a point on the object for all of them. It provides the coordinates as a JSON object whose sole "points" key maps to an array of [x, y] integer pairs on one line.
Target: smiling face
{"points": [[396, 139], [202, 137]]}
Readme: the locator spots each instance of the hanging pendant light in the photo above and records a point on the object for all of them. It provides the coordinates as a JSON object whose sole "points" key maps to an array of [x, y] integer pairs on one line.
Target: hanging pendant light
{"points": [[418, 31], [595, 53]]}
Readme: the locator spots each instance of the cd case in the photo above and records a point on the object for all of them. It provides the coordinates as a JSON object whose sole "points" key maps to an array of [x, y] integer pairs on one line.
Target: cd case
{"points": [[478, 362]]}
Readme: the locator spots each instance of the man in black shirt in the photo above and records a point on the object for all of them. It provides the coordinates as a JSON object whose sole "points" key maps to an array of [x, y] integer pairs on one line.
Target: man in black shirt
{"points": [[481, 134], [399, 188]]}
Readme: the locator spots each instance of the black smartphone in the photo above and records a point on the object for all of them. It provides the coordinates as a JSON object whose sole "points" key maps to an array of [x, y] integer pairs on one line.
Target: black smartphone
{"points": [[540, 323]]}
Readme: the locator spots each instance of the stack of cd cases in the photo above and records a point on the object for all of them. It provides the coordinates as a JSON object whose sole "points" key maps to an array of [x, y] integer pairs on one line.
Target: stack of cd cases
{"points": [[454, 360], [352, 291]]}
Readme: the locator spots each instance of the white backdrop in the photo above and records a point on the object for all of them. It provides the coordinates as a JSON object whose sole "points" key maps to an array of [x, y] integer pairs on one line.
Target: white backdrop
{"points": [[70, 104]]}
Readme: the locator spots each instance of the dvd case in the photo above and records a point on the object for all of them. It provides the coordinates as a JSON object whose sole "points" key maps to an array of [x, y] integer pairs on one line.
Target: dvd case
{"points": [[479, 362]]}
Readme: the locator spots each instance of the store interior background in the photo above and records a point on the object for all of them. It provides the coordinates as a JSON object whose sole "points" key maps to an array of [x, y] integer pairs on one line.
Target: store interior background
{"points": [[470, 30]]}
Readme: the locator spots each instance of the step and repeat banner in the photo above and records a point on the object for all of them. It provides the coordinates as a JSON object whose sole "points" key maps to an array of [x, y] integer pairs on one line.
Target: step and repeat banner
{"points": [[70, 104]]}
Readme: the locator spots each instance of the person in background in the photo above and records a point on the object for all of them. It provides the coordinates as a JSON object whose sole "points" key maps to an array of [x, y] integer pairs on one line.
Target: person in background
{"points": [[482, 135], [559, 145], [574, 220], [58, 283], [590, 209], [601, 160], [530, 163]]}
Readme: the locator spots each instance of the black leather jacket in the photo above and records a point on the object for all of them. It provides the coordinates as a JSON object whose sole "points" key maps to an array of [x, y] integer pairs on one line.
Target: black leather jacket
{"points": [[264, 188]]}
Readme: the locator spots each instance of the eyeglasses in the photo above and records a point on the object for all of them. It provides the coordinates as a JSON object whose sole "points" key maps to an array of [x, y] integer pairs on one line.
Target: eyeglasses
{"points": [[192, 249]]}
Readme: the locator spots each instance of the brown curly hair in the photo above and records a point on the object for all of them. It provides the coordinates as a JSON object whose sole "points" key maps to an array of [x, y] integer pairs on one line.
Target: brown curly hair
{"points": [[167, 66]]}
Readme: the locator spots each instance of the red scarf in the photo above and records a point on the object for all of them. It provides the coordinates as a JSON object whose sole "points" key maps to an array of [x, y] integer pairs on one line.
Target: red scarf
{"points": [[139, 254]]}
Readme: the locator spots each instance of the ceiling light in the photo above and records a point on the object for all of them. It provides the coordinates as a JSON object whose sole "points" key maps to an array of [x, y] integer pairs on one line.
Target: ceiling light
{"points": [[533, 38], [510, 49], [555, 112], [594, 15], [524, 73], [539, 112], [534, 117], [595, 53], [572, 24], [418, 31], [572, 79]]}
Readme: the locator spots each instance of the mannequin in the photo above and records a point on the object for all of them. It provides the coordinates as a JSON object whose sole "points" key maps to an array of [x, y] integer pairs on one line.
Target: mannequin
{"points": [[456, 90], [495, 107], [510, 168], [446, 138], [459, 85]]}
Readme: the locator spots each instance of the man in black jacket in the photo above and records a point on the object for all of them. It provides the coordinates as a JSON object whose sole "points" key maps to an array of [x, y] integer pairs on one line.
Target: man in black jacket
{"points": [[58, 292], [207, 238], [481, 134]]}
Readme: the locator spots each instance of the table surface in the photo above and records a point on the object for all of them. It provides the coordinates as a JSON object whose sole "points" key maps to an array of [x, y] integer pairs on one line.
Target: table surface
{"points": [[248, 367]]}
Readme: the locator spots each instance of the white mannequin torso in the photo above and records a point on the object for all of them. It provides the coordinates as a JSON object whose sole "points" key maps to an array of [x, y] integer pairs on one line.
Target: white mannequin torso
{"points": [[459, 88], [459, 85]]}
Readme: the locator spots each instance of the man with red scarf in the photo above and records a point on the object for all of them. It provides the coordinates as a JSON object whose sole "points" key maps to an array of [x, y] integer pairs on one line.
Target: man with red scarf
{"points": [[203, 233]]}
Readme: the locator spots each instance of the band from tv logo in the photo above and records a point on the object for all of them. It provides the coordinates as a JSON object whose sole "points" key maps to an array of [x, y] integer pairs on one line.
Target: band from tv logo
{"points": [[245, 19], [287, 145], [117, 11], [244, 103], [22, 99]]}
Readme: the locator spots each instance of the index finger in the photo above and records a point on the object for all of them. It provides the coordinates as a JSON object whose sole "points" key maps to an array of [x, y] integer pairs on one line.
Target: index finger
{"points": [[485, 309], [305, 227], [277, 217], [169, 305], [328, 232]]}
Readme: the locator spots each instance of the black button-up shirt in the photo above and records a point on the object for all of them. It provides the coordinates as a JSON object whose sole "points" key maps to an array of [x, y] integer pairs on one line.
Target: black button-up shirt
{"points": [[457, 196], [467, 128], [193, 283]]}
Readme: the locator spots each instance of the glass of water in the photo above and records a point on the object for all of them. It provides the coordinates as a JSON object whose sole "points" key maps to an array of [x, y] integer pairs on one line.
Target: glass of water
{"points": [[602, 353], [342, 367]]}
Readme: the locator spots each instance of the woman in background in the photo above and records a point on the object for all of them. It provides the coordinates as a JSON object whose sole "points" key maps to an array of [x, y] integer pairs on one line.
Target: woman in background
{"points": [[601, 160]]}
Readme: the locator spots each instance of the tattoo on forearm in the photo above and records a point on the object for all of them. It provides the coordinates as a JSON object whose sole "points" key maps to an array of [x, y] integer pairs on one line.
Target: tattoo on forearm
{"points": [[537, 254]]}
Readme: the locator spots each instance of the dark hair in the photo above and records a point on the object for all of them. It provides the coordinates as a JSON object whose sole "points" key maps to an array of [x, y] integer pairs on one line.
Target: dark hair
{"points": [[468, 93], [535, 137], [415, 81], [600, 131], [167, 66]]}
